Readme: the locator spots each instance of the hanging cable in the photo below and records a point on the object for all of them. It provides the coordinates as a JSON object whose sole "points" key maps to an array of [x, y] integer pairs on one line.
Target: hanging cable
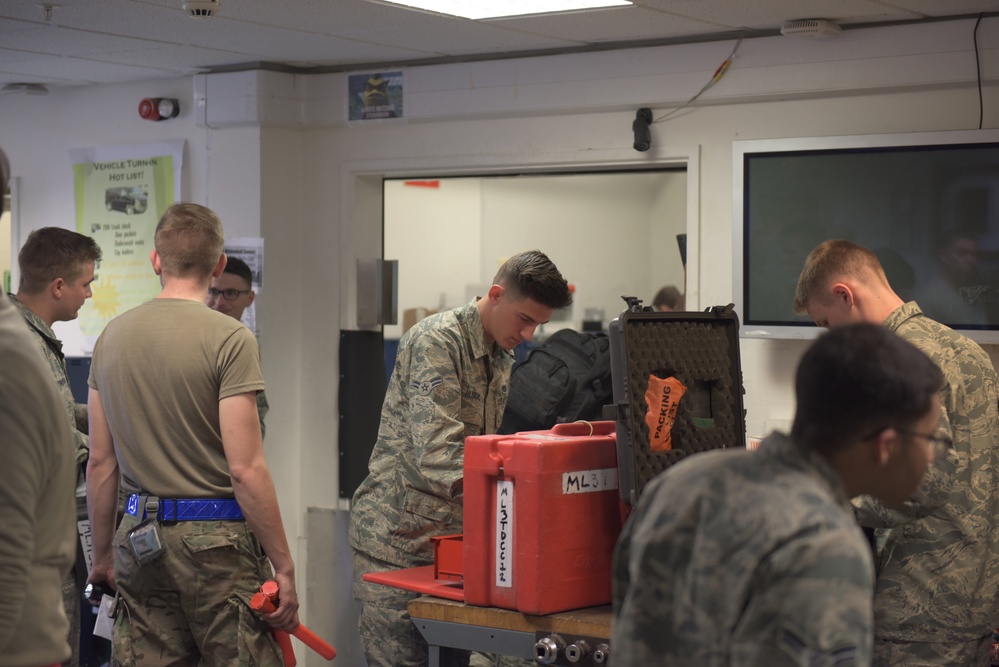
{"points": [[715, 78], [978, 68]]}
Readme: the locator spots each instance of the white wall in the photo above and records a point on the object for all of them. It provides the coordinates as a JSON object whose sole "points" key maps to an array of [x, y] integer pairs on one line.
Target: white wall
{"points": [[313, 189], [609, 234], [435, 233], [597, 228], [669, 218]]}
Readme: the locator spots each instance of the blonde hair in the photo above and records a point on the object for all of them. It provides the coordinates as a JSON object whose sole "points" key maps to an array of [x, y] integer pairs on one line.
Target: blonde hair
{"points": [[189, 240], [834, 260]]}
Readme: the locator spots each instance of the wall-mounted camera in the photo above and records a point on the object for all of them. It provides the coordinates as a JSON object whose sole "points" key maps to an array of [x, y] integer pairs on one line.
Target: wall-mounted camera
{"points": [[640, 126]]}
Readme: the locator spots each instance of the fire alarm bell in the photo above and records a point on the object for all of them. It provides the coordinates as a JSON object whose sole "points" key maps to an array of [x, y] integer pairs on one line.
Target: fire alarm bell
{"points": [[159, 108]]}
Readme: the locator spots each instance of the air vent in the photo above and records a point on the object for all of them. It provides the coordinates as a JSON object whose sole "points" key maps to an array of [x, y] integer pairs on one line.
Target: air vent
{"points": [[201, 9], [24, 89], [809, 28]]}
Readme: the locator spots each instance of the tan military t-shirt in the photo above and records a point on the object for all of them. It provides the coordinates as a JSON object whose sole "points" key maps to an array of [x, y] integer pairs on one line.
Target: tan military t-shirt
{"points": [[161, 370]]}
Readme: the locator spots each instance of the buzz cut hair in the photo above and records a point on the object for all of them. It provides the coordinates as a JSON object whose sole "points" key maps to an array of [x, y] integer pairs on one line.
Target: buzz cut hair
{"points": [[189, 240], [832, 260]]}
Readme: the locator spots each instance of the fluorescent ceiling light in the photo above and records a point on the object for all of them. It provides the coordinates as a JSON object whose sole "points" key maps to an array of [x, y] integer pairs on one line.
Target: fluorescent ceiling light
{"points": [[491, 9]]}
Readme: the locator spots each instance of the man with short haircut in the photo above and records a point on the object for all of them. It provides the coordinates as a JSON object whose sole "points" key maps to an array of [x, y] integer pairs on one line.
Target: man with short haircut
{"points": [[173, 416], [231, 294], [937, 558], [36, 498], [56, 272], [753, 559], [450, 381]]}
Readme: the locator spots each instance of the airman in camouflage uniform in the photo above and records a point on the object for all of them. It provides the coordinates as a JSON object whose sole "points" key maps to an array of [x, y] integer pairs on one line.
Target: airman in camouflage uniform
{"points": [[57, 267], [450, 381], [51, 348], [945, 546], [937, 560], [231, 294], [752, 559]]}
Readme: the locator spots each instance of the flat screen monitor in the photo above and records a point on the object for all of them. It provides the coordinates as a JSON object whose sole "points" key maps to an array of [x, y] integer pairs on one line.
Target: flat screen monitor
{"points": [[926, 203]]}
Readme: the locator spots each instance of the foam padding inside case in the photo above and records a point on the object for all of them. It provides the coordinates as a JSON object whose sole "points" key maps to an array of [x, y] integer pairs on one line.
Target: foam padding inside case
{"points": [[700, 355]]}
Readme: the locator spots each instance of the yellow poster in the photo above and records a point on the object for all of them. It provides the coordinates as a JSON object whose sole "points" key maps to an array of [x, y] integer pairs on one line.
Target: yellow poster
{"points": [[120, 195]]}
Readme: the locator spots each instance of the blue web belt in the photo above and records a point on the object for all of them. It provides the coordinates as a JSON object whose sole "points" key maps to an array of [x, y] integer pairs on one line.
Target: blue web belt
{"points": [[186, 509]]}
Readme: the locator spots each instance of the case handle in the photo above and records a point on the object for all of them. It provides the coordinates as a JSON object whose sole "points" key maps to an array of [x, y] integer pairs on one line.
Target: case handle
{"points": [[584, 428]]}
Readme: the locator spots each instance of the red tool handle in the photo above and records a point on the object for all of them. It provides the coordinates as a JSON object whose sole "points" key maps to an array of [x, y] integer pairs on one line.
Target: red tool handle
{"points": [[270, 589], [261, 601], [310, 639], [284, 641]]}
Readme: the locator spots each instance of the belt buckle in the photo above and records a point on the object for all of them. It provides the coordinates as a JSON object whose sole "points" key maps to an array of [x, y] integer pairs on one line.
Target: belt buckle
{"points": [[164, 510]]}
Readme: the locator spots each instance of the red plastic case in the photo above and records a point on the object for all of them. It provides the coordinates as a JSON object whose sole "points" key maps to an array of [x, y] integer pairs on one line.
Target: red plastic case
{"points": [[542, 515]]}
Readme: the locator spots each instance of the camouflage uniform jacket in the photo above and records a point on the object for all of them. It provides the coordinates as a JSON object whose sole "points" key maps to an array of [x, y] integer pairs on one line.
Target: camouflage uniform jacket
{"points": [[447, 384], [938, 558], [51, 349], [738, 559]]}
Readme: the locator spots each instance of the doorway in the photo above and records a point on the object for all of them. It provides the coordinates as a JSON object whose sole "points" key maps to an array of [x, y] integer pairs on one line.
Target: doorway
{"points": [[610, 233]]}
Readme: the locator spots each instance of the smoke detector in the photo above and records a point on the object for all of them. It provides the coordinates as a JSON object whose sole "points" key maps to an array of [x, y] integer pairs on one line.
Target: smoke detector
{"points": [[809, 28], [201, 9]]}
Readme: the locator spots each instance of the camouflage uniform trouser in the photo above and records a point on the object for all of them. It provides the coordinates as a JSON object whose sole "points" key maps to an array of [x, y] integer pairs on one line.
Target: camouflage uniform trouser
{"points": [[190, 606], [924, 654], [387, 633]]}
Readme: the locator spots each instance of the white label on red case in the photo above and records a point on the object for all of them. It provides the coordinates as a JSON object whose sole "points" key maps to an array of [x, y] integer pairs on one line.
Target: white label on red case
{"points": [[589, 481], [504, 534]]}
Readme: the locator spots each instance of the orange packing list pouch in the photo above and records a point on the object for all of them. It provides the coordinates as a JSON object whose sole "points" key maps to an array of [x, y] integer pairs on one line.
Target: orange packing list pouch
{"points": [[662, 397]]}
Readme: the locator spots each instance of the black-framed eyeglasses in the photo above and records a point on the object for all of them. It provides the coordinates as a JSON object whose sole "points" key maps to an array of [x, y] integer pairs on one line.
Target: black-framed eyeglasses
{"points": [[227, 294], [941, 444]]}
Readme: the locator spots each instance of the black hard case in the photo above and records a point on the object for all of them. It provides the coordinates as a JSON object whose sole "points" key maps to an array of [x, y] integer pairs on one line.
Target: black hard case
{"points": [[699, 349]]}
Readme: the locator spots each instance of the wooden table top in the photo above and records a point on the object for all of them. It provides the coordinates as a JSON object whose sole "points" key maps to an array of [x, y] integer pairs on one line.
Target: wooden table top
{"points": [[591, 621]]}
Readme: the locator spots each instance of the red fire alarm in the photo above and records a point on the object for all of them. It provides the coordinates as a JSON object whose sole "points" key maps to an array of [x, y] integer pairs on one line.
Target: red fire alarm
{"points": [[159, 108]]}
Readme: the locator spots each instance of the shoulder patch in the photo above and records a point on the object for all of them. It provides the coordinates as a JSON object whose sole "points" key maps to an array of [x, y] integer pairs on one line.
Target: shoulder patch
{"points": [[424, 387], [805, 655]]}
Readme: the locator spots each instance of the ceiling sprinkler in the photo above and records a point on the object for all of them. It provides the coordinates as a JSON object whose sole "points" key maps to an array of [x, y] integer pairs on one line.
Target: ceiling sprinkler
{"points": [[201, 9]]}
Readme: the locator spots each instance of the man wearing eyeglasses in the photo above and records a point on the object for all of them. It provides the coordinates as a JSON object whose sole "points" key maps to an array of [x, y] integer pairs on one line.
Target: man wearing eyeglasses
{"points": [[754, 559], [231, 294], [938, 557]]}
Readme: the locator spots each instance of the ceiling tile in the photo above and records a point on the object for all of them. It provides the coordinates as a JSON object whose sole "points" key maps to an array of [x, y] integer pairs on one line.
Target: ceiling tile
{"points": [[126, 40]]}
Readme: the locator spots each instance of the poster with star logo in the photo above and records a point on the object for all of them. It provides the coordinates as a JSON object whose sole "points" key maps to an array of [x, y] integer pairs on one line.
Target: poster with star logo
{"points": [[120, 194]]}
